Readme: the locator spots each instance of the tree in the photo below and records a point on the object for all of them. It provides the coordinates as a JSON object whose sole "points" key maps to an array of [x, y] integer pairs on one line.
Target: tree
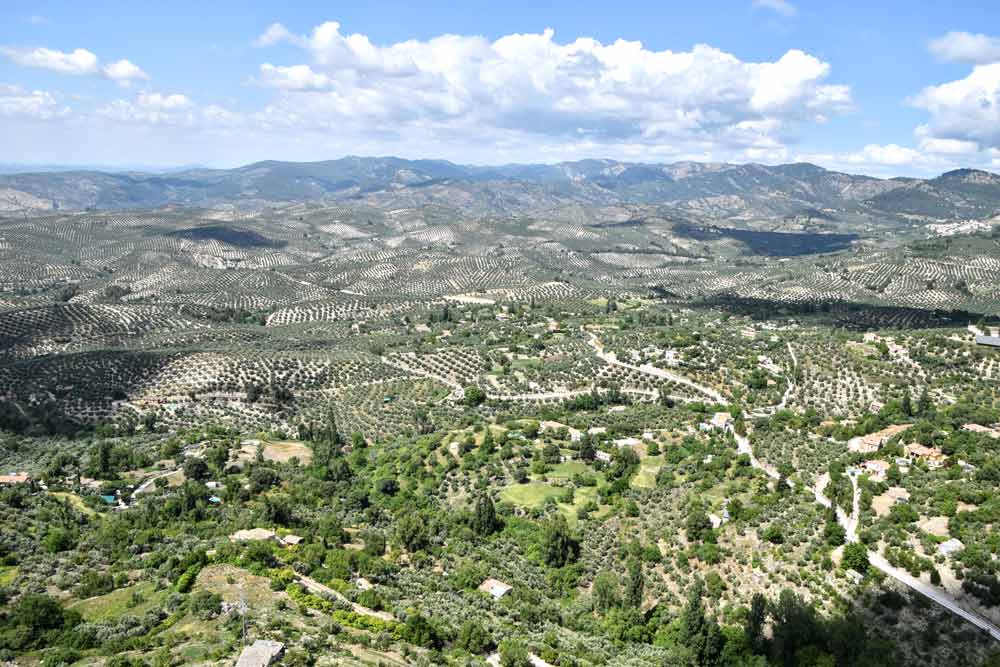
{"points": [[558, 545], [418, 630], [587, 450], [634, 585], [794, 626], [473, 637], [698, 525], [488, 445], [605, 591], [411, 532], [834, 533], [856, 557], [773, 534], [484, 518], [698, 633], [551, 454], [755, 622], [513, 654], [195, 469], [474, 396], [924, 404]]}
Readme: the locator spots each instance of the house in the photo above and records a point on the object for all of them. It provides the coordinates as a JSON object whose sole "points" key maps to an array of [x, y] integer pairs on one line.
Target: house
{"points": [[261, 653], [627, 442], [496, 588], [876, 469], [867, 444], [950, 547], [291, 540], [932, 456], [992, 341], [721, 421], [602, 456], [253, 534], [14, 478]]}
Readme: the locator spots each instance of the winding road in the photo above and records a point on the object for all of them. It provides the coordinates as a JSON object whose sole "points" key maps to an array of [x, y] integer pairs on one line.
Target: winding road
{"points": [[876, 560]]}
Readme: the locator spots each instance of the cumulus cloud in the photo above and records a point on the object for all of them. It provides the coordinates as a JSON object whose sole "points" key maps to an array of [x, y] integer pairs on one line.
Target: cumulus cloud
{"points": [[295, 77], [16, 101], [534, 90], [274, 34], [782, 7], [964, 110], [124, 72], [169, 109], [79, 62], [966, 47]]}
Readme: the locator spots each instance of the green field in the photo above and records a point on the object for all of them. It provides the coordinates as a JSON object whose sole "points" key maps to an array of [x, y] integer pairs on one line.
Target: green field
{"points": [[645, 478], [119, 602]]}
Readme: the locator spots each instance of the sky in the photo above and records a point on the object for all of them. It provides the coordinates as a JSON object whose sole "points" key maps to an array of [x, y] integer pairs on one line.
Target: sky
{"points": [[887, 88]]}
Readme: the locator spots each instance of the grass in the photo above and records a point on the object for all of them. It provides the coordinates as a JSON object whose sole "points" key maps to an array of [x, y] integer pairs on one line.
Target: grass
{"points": [[531, 495], [567, 469], [645, 477], [536, 494], [8, 574], [283, 451], [118, 603], [74, 500]]}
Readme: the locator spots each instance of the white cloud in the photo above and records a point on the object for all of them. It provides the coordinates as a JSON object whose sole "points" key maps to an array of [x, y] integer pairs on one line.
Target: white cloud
{"points": [[295, 77], [966, 109], [782, 7], [169, 109], [953, 147], [966, 47], [79, 62], [531, 91], [16, 101], [124, 72], [274, 34], [152, 109]]}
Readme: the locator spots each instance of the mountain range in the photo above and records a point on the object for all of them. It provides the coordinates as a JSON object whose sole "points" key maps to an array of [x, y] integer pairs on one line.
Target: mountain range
{"points": [[712, 190]]}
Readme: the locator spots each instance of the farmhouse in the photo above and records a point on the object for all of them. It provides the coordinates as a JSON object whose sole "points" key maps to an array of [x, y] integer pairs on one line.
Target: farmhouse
{"points": [[602, 456], [261, 653], [14, 478], [866, 444], [496, 588], [291, 540], [721, 420], [992, 341], [932, 456], [876, 469], [261, 534]]}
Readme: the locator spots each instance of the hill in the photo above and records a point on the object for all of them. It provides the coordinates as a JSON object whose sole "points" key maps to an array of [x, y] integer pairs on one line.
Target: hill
{"points": [[745, 192]]}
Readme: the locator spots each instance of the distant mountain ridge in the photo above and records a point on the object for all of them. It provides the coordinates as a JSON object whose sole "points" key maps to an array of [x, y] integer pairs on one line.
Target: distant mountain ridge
{"points": [[710, 189]]}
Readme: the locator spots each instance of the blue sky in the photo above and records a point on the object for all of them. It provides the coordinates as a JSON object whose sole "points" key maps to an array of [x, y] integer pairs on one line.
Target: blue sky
{"points": [[882, 88]]}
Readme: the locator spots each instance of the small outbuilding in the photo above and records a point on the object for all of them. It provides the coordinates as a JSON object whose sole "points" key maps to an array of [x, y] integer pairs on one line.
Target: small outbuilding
{"points": [[253, 534], [496, 588], [951, 546], [261, 653]]}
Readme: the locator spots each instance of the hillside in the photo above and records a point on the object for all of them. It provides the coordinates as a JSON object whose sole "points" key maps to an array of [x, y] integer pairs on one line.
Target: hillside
{"points": [[745, 192]]}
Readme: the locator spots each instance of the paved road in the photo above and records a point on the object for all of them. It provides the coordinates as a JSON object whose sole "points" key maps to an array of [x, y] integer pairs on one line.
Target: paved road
{"points": [[876, 560]]}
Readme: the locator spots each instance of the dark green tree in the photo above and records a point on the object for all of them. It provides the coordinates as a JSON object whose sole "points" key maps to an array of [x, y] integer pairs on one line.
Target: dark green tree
{"points": [[484, 518]]}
